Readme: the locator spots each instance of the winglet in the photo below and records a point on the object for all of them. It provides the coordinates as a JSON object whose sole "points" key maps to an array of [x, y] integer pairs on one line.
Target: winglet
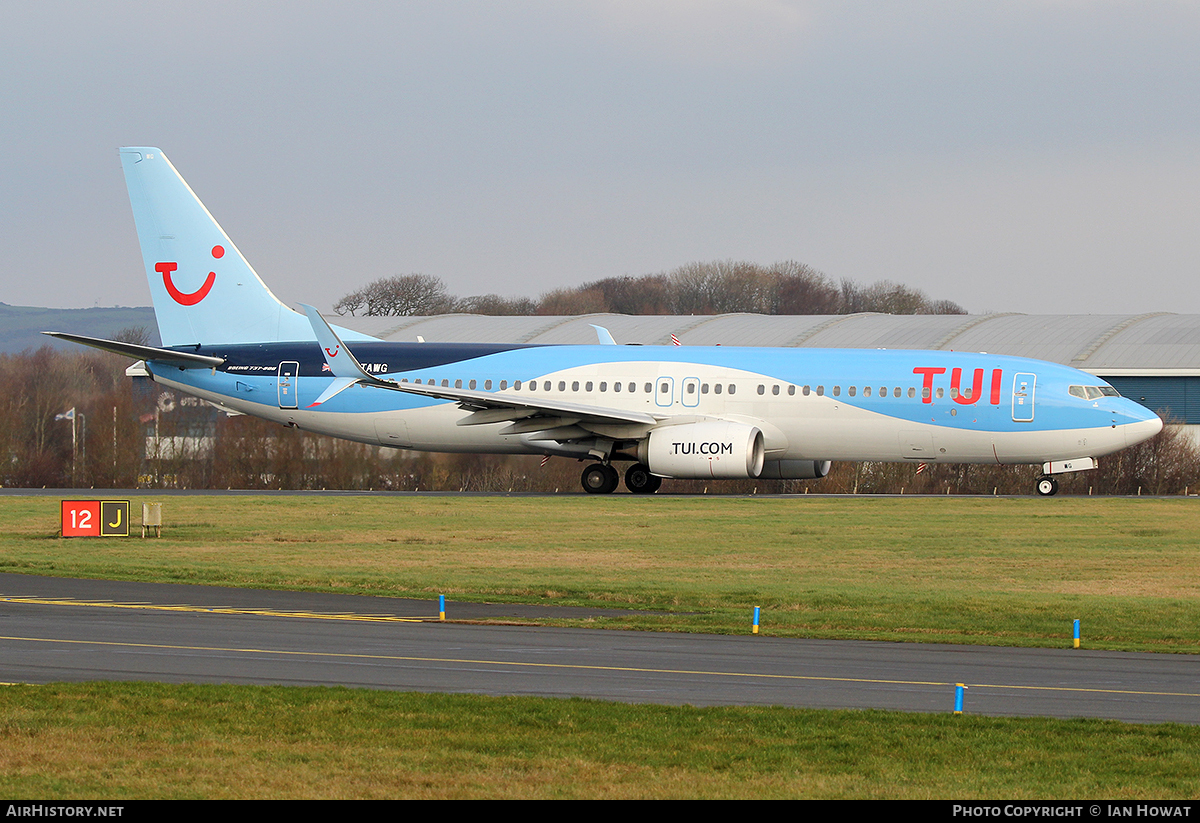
{"points": [[606, 339], [339, 358]]}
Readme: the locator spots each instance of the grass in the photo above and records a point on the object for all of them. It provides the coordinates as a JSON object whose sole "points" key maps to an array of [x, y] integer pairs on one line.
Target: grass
{"points": [[994, 571], [127, 741], [986, 571]]}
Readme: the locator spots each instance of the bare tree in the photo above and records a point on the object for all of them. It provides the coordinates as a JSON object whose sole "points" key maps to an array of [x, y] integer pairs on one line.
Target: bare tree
{"points": [[494, 305], [401, 295], [571, 301], [650, 294]]}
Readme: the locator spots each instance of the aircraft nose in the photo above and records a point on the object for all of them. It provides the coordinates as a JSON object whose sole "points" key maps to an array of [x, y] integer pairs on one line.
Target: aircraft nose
{"points": [[1143, 429]]}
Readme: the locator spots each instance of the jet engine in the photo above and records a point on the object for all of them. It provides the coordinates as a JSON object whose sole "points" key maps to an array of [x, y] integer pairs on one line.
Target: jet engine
{"points": [[700, 450]]}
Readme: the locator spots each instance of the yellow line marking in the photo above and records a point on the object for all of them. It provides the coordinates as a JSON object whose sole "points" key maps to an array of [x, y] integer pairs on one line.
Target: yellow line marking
{"points": [[584, 667], [108, 604]]}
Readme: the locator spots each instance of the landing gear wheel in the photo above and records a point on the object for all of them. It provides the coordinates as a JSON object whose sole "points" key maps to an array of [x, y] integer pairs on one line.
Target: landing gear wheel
{"points": [[639, 480], [599, 479], [1047, 486]]}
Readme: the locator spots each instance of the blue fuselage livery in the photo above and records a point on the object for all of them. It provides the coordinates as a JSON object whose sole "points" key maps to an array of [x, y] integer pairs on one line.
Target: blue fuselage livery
{"points": [[669, 411]]}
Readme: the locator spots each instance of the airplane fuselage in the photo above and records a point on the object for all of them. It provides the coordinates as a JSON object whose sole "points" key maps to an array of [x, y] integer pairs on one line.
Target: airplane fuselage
{"points": [[811, 404]]}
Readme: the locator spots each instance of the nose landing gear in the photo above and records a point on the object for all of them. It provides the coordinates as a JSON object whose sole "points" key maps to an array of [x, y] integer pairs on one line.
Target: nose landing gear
{"points": [[1047, 486]]}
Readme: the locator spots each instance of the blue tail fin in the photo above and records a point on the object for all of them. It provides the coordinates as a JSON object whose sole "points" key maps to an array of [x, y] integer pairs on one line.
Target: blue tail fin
{"points": [[204, 291]]}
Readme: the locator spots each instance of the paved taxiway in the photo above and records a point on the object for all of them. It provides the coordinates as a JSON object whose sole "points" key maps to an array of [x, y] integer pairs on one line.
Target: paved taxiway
{"points": [[58, 629]]}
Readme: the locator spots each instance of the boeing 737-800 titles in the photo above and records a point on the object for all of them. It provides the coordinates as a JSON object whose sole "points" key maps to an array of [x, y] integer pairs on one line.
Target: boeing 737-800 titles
{"points": [[668, 411]]}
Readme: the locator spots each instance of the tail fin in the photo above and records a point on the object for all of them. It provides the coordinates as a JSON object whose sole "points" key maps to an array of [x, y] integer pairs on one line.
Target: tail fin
{"points": [[204, 291]]}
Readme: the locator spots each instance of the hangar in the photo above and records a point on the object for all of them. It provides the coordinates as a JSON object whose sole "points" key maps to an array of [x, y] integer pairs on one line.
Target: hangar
{"points": [[1151, 358]]}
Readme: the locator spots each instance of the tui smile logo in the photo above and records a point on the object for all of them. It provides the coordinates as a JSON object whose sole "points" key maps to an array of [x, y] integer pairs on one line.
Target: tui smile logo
{"points": [[188, 298]]}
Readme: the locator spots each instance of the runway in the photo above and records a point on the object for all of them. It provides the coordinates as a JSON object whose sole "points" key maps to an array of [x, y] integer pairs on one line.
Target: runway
{"points": [[61, 629]]}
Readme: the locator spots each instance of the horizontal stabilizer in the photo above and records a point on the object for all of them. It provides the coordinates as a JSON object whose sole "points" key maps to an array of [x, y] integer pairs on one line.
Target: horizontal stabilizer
{"points": [[182, 359]]}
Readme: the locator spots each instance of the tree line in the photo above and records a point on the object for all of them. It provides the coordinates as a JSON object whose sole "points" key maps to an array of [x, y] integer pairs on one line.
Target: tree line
{"points": [[145, 436], [718, 287]]}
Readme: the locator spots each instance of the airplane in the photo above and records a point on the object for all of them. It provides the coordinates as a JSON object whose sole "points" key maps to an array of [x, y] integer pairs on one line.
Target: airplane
{"points": [[667, 411]]}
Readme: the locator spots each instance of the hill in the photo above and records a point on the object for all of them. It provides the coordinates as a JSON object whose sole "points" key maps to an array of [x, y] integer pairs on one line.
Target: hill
{"points": [[21, 326]]}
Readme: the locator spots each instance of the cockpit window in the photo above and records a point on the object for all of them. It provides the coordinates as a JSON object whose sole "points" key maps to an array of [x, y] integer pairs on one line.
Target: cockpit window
{"points": [[1092, 392]]}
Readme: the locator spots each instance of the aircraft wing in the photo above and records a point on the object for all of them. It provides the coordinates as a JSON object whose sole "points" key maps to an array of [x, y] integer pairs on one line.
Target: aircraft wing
{"points": [[528, 414], [182, 359], [491, 407]]}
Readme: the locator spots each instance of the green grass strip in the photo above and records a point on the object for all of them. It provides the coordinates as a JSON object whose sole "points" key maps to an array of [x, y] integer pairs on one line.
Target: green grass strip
{"points": [[123, 741]]}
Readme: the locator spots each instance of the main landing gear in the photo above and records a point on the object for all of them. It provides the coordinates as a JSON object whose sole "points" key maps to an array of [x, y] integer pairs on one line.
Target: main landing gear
{"points": [[639, 480], [1047, 486], [599, 478]]}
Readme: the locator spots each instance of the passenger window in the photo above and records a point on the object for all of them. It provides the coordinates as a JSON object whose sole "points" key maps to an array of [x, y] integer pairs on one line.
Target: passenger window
{"points": [[562, 385], [820, 391], [649, 388], [446, 384], [805, 391], [762, 389], [791, 391], [516, 385], [866, 391], [632, 388], [732, 388], [589, 385], [458, 384], [603, 386], [941, 393], [837, 391], [691, 388], [575, 386], [851, 391], [704, 388], [775, 390], [912, 392], [546, 385], [717, 388]]}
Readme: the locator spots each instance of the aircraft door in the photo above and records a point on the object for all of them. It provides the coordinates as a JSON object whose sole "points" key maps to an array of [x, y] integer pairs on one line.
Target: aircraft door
{"points": [[1022, 397], [690, 394], [289, 370], [664, 391]]}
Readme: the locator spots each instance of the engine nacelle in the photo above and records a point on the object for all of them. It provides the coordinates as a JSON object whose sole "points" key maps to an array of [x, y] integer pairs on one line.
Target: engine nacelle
{"points": [[701, 450], [795, 469]]}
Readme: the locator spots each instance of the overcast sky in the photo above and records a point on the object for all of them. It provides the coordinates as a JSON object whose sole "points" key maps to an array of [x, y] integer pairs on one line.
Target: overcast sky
{"points": [[1039, 157]]}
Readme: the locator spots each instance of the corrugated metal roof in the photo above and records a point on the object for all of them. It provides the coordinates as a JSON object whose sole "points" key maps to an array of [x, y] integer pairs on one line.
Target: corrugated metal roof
{"points": [[1097, 343]]}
